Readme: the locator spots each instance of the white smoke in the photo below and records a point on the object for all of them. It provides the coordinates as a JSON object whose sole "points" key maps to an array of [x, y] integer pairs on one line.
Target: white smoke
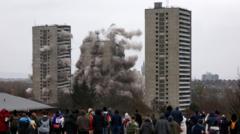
{"points": [[29, 90], [65, 34], [104, 66]]}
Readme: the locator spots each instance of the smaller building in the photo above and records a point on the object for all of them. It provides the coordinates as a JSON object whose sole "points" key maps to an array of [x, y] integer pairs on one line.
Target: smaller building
{"points": [[11, 102], [210, 77]]}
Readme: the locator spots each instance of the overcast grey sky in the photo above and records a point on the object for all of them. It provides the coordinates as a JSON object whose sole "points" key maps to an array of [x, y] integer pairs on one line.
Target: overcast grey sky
{"points": [[216, 27]]}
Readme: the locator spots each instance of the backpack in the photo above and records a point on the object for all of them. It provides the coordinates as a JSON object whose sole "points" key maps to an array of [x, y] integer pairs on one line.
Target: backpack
{"points": [[57, 123], [44, 127], [106, 119], [24, 122], [132, 128]]}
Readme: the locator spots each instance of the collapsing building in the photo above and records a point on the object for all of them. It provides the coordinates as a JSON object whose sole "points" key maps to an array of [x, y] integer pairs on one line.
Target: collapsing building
{"points": [[51, 62], [103, 65]]}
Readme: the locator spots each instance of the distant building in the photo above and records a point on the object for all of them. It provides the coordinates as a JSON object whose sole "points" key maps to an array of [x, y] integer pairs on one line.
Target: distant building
{"points": [[210, 77], [168, 56], [51, 62]]}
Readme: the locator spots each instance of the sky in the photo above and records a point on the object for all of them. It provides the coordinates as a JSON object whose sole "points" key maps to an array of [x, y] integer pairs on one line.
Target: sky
{"points": [[215, 30]]}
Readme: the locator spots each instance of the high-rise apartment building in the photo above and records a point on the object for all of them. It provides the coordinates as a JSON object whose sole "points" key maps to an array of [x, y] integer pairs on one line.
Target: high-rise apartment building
{"points": [[51, 62], [168, 56]]}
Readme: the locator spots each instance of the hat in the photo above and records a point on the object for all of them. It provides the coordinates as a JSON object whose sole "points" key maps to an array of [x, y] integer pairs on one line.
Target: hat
{"points": [[90, 110]]}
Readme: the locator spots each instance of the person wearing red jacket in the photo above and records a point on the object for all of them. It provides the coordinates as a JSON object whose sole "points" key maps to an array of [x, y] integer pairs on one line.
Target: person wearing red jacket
{"points": [[4, 118], [90, 116]]}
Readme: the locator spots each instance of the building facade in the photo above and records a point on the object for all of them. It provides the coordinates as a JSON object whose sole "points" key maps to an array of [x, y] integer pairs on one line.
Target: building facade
{"points": [[210, 77], [168, 56], [51, 62]]}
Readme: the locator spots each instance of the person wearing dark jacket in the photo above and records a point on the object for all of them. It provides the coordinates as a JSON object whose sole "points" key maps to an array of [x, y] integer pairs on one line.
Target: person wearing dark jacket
{"points": [[14, 122], [177, 115], [154, 120], [70, 123], [116, 123], [138, 118], [82, 123], [98, 120], [212, 123], [174, 126], [162, 125], [147, 127], [198, 128], [223, 125], [168, 111]]}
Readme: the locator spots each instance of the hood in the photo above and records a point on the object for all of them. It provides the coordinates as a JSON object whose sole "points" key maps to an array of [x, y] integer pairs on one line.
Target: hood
{"points": [[4, 112], [44, 118]]}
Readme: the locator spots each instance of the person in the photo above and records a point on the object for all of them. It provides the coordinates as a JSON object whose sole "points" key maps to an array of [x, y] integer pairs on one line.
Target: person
{"points": [[98, 122], [132, 127], [162, 125], [177, 115], [233, 124], [147, 127], [14, 122], [198, 128], [168, 111], [33, 123], [125, 122], [44, 124], [82, 123], [174, 126], [212, 123], [106, 121], [116, 123], [4, 120], [90, 117], [154, 120], [223, 125], [57, 123], [138, 118], [24, 123], [70, 123]]}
